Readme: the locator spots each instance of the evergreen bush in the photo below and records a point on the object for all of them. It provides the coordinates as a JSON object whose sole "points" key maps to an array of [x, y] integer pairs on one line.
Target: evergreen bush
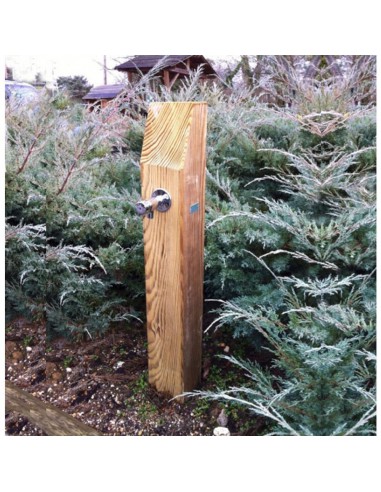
{"points": [[298, 268], [74, 245]]}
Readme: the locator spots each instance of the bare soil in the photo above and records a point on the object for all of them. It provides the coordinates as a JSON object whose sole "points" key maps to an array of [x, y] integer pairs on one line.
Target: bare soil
{"points": [[104, 383]]}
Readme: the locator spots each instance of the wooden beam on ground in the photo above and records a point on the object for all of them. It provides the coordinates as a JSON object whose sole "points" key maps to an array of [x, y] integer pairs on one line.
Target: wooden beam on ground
{"points": [[174, 159], [48, 418]]}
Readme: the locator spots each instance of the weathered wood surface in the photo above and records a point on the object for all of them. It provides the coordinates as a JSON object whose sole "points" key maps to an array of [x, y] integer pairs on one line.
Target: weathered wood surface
{"points": [[173, 158], [52, 421]]}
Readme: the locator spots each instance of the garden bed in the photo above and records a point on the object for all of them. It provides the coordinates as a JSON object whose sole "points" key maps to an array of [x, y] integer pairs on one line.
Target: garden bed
{"points": [[104, 384]]}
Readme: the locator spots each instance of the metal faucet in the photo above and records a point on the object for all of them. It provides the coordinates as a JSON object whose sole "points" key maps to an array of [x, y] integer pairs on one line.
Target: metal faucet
{"points": [[160, 200]]}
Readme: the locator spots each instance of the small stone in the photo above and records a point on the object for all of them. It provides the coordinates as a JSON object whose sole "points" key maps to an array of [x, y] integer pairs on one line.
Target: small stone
{"points": [[17, 356], [119, 364], [50, 369], [56, 376], [222, 418], [226, 349], [50, 390], [221, 431], [10, 369], [10, 347], [29, 349], [68, 370]]}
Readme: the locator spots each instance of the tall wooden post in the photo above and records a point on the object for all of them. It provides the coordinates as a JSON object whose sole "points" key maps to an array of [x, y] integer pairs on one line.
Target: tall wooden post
{"points": [[173, 160]]}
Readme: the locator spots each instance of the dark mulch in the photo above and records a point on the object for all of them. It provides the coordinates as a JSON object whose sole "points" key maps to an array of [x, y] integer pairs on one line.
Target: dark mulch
{"points": [[104, 383]]}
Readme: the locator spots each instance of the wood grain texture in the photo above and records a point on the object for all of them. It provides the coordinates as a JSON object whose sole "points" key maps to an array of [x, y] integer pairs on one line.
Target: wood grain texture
{"points": [[52, 421], [173, 158]]}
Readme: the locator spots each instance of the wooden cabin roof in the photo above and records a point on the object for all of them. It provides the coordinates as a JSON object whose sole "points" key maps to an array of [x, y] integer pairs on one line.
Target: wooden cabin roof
{"points": [[104, 92], [144, 63]]}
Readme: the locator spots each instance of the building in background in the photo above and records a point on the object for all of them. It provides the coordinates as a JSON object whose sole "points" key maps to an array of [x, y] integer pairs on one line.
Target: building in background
{"points": [[103, 94], [169, 68]]}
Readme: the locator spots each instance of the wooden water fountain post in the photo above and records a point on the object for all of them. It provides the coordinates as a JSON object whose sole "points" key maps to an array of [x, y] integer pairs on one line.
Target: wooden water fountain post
{"points": [[173, 190]]}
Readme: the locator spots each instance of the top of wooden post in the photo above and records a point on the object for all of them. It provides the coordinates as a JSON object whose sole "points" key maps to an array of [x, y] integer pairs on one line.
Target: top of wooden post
{"points": [[165, 148]]}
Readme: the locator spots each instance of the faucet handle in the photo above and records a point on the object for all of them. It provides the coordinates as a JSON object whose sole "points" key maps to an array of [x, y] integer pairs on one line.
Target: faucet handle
{"points": [[160, 200], [143, 207]]}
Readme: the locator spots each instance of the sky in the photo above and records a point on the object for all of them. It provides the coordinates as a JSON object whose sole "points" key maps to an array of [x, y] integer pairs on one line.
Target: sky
{"points": [[25, 67]]}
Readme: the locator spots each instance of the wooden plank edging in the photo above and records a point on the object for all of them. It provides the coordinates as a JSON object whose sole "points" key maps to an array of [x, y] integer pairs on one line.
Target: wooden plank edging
{"points": [[47, 417]]}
